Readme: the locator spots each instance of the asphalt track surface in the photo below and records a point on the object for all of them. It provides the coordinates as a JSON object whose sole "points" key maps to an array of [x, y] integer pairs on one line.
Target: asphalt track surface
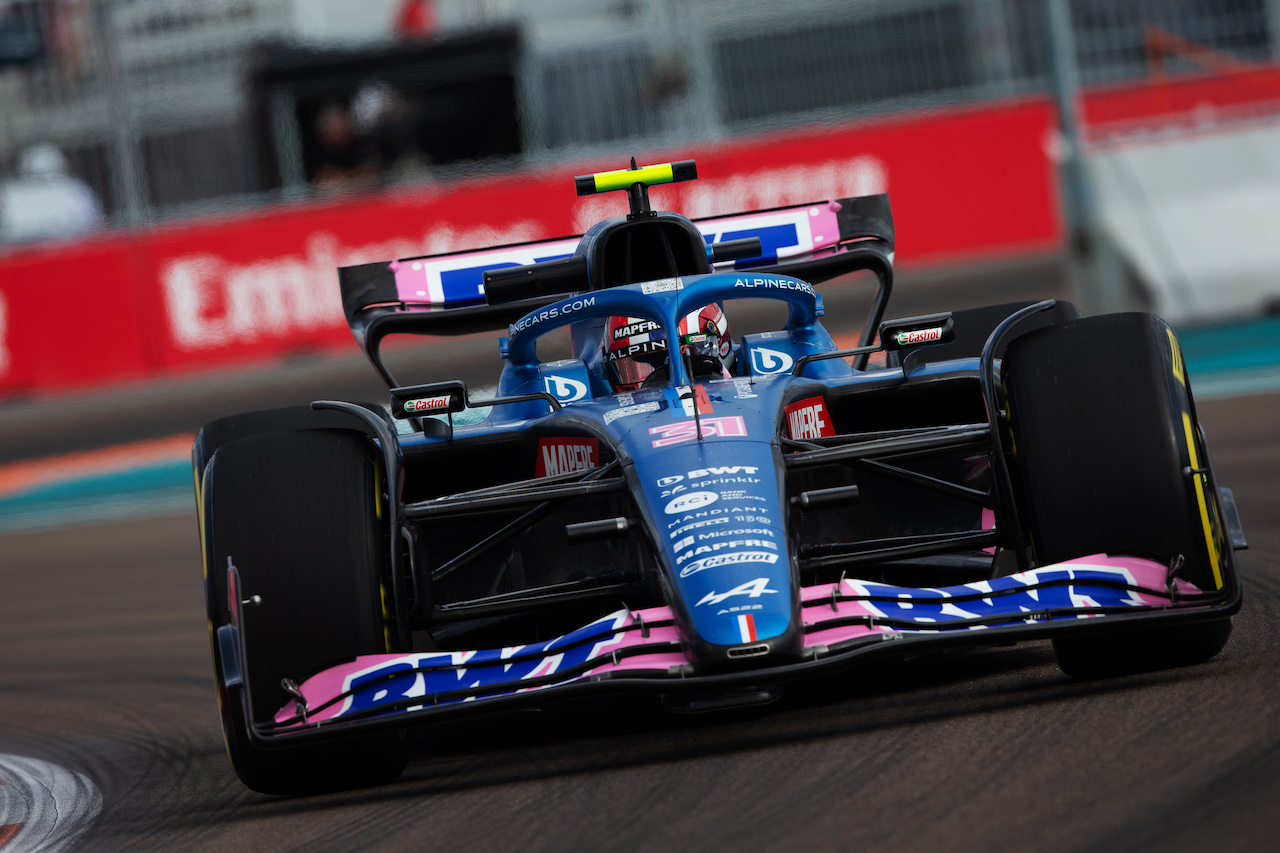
{"points": [[105, 670]]}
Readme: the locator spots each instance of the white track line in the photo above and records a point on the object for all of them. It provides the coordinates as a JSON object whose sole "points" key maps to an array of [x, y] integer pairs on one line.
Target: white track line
{"points": [[54, 806]]}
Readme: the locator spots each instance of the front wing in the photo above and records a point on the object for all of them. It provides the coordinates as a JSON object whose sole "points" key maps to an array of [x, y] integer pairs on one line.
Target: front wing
{"points": [[630, 651]]}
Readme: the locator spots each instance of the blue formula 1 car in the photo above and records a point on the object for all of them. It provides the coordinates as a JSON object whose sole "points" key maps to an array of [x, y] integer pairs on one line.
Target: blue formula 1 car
{"points": [[683, 514]]}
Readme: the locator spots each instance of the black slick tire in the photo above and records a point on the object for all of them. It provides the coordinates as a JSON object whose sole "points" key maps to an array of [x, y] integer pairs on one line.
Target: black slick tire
{"points": [[1104, 432], [296, 512]]}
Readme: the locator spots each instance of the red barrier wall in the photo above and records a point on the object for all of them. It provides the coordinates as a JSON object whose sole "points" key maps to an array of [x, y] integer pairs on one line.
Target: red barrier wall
{"points": [[1183, 102], [973, 182]]}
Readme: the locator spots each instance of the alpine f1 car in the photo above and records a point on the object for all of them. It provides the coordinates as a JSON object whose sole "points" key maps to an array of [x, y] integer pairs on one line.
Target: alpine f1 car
{"points": [[678, 513]]}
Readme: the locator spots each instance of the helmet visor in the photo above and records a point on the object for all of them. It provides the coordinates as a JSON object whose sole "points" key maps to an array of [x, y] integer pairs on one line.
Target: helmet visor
{"points": [[633, 370]]}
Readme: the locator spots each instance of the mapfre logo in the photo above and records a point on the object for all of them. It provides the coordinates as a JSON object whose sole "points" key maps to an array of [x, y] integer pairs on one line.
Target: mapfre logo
{"points": [[808, 418], [565, 455], [634, 329]]}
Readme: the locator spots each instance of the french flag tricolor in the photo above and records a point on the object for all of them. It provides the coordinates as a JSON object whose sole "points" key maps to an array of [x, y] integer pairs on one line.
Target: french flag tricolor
{"points": [[747, 627]]}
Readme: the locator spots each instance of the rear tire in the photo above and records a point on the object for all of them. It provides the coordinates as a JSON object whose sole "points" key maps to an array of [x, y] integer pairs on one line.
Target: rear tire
{"points": [[296, 513], [1103, 429]]}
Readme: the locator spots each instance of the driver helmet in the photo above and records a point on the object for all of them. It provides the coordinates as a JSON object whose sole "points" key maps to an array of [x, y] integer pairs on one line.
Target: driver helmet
{"points": [[635, 349]]}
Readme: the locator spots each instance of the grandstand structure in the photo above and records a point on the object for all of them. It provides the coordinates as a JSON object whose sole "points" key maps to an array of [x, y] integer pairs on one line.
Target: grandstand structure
{"points": [[154, 101]]}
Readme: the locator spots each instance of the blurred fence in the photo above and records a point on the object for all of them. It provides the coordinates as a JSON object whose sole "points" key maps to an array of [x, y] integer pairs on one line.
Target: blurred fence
{"points": [[153, 101], [146, 98]]}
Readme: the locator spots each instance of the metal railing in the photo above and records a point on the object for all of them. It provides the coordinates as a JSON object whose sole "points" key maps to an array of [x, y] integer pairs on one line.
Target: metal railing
{"points": [[150, 100]]}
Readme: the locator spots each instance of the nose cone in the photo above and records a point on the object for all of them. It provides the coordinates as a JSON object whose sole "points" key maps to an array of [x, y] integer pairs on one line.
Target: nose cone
{"points": [[717, 509]]}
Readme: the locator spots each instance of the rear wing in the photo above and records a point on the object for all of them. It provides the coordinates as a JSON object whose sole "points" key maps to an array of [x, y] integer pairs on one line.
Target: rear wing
{"points": [[444, 294]]}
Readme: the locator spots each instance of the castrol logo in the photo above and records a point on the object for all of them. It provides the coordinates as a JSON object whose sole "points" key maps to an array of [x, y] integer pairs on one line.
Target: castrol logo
{"points": [[919, 336], [427, 404]]}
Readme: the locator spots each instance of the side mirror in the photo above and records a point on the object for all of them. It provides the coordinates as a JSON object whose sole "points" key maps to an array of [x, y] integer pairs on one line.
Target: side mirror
{"points": [[437, 398], [915, 332]]}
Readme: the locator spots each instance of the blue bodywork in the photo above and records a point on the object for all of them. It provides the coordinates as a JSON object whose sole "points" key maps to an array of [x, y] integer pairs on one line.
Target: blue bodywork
{"points": [[693, 539], [714, 504]]}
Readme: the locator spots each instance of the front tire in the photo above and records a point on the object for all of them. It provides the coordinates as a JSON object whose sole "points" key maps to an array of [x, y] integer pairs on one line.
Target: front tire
{"points": [[1108, 456], [297, 513]]}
